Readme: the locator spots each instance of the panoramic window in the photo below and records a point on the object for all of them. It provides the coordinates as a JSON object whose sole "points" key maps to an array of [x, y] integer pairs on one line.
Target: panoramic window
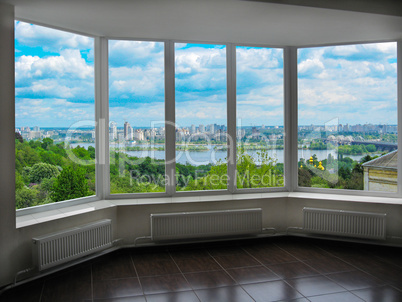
{"points": [[260, 117], [54, 115], [136, 117], [201, 118], [347, 117]]}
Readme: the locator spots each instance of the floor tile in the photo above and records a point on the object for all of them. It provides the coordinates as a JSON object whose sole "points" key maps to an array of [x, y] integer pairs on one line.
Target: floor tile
{"points": [[30, 292], [254, 274], [156, 267], [201, 264], [209, 279], [338, 297], [116, 266], [313, 286], [114, 288], [240, 260], [271, 255], [181, 272], [231, 293], [125, 299], [386, 272], [188, 296], [379, 294], [271, 291], [292, 270], [355, 280], [189, 253], [225, 250], [303, 251], [329, 265], [72, 286], [391, 255], [150, 254], [164, 284], [346, 251]]}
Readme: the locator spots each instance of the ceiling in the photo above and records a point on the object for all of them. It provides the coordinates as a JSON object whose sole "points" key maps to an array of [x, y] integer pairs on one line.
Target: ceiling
{"points": [[383, 7], [230, 21]]}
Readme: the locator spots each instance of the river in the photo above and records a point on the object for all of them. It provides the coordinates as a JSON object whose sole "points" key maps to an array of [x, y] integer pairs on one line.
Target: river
{"points": [[197, 158]]}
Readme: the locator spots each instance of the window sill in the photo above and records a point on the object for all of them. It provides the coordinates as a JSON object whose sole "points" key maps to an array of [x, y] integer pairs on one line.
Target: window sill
{"points": [[54, 214], [348, 198]]}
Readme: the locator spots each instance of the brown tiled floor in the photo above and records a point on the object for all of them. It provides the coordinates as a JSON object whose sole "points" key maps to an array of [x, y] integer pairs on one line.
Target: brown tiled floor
{"points": [[270, 269]]}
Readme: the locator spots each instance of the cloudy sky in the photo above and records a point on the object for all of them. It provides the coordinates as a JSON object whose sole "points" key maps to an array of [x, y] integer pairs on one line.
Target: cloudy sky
{"points": [[355, 84], [55, 82], [54, 77]]}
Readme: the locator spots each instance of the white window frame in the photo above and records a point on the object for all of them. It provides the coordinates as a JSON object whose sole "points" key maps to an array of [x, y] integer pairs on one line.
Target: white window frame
{"points": [[290, 125], [397, 194]]}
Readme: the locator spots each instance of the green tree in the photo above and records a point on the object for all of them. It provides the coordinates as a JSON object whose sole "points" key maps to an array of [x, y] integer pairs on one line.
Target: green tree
{"points": [[253, 175], [371, 148], [25, 197], [45, 189], [304, 177], [19, 137], [71, 183], [40, 171], [47, 143], [19, 181], [345, 173]]}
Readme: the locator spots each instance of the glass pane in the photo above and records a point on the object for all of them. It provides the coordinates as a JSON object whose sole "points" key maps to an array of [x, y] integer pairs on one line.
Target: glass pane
{"points": [[136, 115], [201, 122], [348, 117], [54, 115], [260, 117]]}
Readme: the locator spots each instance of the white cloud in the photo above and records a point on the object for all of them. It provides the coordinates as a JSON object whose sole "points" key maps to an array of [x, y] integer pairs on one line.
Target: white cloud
{"points": [[258, 58], [200, 60], [134, 49], [345, 50], [386, 48], [48, 38], [136, 81], [68, 63], [314, 65]]}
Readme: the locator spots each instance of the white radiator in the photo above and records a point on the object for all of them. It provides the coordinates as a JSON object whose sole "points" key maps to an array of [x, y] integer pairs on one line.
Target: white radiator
{"points": [[168, 226], [58, 248], [345, 223]]}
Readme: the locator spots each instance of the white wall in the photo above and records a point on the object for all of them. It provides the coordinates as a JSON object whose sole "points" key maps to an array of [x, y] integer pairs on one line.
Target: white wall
{"points": [[393, 211], [134, 221]]}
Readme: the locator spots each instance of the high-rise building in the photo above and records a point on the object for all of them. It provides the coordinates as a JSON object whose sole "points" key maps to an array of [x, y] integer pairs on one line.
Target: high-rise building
{"points": [[128, 131], [139, 135], [113, 131]]}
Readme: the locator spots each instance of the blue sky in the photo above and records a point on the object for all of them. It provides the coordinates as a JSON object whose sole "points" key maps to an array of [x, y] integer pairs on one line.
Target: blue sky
{"points": [[55, 82]]}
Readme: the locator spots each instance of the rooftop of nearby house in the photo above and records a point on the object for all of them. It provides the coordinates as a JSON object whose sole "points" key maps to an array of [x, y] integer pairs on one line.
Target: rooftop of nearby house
{"points": [[388, 161]]}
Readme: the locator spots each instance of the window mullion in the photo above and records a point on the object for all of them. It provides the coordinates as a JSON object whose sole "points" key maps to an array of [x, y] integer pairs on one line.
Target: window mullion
{"points": [[290, 93], [170, 120], [231, 115], [101, 117], [399, 106]]}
